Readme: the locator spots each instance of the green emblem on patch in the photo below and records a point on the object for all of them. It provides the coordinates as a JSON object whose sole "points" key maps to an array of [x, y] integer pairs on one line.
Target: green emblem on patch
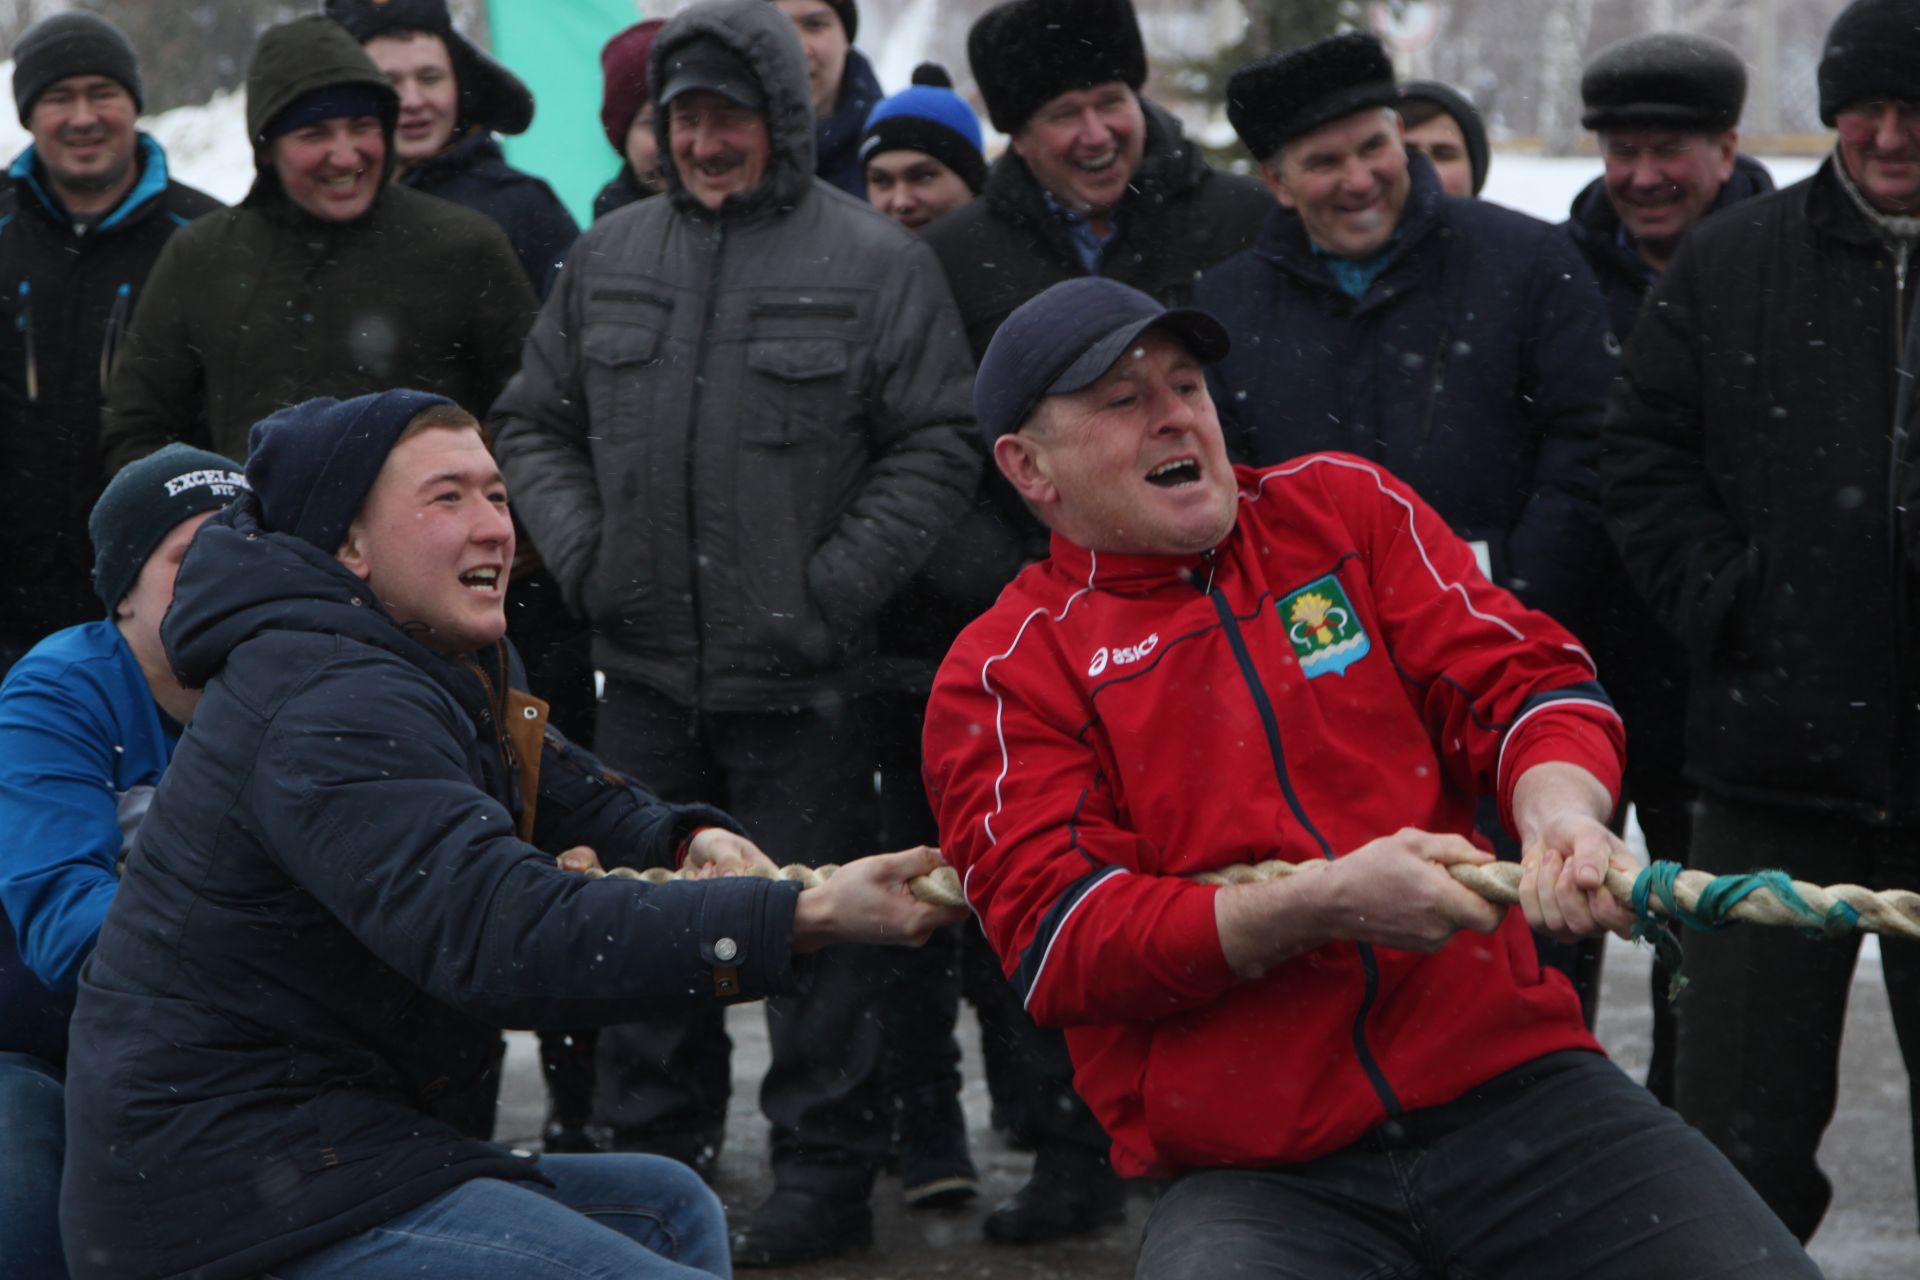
{"points": [[1325, 630]]}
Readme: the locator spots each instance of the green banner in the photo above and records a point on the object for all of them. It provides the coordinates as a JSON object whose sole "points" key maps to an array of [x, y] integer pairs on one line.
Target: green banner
{"points": [[555, 48]]}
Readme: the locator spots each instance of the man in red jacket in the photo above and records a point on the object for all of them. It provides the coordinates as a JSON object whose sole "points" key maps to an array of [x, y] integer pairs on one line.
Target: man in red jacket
{"points": [[1359, 1068]]}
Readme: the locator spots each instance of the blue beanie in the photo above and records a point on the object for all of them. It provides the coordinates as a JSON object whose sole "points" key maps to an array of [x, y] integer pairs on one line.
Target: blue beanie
{"points": [[312, 464], [931, 118], [142, 504]]}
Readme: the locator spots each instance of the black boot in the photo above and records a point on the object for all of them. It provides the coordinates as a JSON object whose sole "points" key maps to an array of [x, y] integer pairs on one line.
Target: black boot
{"points": [[931, 1138], [793, 1226], [1072, 1191]]}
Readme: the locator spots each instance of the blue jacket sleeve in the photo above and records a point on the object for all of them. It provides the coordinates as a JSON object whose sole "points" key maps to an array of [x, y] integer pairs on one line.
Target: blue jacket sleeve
{"points": [[60, 814], [582, 802]]}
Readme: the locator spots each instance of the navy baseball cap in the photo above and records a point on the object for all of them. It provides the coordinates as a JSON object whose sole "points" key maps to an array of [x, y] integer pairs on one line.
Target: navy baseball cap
{"points": [[1065, 340]]}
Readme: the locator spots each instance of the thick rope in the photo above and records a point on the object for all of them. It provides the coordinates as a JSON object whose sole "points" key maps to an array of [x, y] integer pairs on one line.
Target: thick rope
{"points": [[1693, 898]]}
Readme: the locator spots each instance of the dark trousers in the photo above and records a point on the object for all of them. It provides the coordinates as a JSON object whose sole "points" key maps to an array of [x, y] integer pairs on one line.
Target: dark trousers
{"points": [[1664, 806], [1564, 1167], [1762, 1015], [801, 782]]}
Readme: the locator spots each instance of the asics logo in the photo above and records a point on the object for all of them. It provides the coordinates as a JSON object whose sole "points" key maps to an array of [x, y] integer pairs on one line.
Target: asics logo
{"points": [[1122, 657]]}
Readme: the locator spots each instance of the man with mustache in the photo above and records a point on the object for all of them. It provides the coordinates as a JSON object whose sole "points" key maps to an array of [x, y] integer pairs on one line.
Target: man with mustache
{"points": [[1759, 465], [84, 212], [1666, 110], [735, 434]]}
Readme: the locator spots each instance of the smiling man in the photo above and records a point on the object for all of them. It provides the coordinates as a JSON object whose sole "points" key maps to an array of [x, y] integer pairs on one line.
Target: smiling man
{"points": [[453, 99], [326, 278], [736, 434], [1358, 1068], [84, 211], [1760, 478], [347, 879]]}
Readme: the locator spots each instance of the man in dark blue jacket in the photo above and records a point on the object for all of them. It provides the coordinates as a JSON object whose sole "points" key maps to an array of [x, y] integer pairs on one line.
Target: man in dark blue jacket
{"points": [[843, 86], [1461, 344], [84, 212], [346, 881], [1666, 109], [453, 99]]}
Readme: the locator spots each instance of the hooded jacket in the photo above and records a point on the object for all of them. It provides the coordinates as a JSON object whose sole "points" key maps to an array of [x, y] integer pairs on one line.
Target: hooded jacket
{"points": [[330, 908], [1754, 467], [836, 137], [266, 305], [1475, 367], [1334, 671], [474, 174], [1643, 666], [1179, 217], [67, 293], [737, 433]]}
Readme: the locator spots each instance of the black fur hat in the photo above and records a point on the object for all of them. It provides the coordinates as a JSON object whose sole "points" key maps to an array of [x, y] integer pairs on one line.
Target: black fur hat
{"points": [[1872, 51], [1025, 53], [490, 95], [1275, 100], [1665, 80]]}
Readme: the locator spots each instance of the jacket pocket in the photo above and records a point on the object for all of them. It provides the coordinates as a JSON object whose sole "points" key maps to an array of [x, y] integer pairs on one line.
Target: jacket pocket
{"points": [[796, 391], [617, 355]]}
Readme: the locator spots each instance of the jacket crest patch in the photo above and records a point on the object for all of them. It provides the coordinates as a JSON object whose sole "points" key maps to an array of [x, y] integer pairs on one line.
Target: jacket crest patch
{"points": [[1324, 628]]}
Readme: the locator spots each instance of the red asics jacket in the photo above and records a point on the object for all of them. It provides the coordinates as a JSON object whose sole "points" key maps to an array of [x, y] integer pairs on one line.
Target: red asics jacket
{"points": [[1336, 670]]}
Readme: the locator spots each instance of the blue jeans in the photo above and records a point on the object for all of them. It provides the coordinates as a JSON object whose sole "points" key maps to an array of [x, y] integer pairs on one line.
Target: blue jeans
{"points": [[607, 1217], [1563, 1168], [33, 1142]]}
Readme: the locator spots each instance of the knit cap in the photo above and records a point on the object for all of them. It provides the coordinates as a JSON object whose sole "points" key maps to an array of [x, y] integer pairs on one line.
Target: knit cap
{"points": [[311, 465], [623, 71], [143, 503], [1872, 51], [930, 118], [75, 43]]}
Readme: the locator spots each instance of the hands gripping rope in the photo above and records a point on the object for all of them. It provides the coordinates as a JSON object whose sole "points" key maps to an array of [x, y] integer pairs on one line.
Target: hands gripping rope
{"points": [[1694, 898]]}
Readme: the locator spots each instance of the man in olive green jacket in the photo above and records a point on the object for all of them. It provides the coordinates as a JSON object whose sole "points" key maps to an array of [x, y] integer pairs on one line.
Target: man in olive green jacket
{"points": [[326, 280]]}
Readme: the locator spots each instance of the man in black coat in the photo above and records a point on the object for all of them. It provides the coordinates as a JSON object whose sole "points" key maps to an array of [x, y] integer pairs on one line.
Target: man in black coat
{"points": [[1759, 462], [1096, 181], [84, 211], [1666, 109], [346, 880], [453, 99]]}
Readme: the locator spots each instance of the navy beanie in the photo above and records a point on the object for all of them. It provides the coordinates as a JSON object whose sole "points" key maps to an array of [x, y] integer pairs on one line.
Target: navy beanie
{"points": [[312, 464], [142, 504]]}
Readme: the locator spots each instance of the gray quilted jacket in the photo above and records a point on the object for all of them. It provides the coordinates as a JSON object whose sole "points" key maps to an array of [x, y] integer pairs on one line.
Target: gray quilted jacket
{"points": [[734, 435]]}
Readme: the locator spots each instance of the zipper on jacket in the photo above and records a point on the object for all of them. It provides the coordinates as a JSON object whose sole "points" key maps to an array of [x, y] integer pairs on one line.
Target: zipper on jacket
{"points": [[1904, 401], [116, 321], [1270, 723], [1439, 381], [24, 323], [693, 509]]}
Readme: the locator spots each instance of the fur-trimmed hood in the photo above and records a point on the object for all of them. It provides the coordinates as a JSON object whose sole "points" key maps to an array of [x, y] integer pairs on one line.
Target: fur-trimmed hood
{"points": [[762, 36]]}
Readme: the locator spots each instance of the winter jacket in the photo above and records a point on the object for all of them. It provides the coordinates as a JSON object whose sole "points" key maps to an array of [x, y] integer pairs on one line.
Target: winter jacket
{"points": [[82, 745], [836, 137], [474, 174], [66, 295], [266, 305], [621, 190], [1642, 665], [1336, 670], [1179, 218], [1753, 469], [1475, 367], [344, 884], [736, 434]]}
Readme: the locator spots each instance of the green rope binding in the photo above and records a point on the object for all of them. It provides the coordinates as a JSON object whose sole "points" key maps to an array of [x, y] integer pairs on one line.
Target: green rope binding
{"points": [[1716, 903]]}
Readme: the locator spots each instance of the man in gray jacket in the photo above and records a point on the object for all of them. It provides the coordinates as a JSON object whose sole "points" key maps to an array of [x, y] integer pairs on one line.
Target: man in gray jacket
{"points": [[736, 432]]}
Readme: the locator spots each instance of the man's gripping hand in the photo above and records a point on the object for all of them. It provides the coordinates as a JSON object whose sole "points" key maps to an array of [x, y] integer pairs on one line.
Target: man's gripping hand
{"points": [[867, 900], [715, 851], [1392, 892], [1560, 811]]}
